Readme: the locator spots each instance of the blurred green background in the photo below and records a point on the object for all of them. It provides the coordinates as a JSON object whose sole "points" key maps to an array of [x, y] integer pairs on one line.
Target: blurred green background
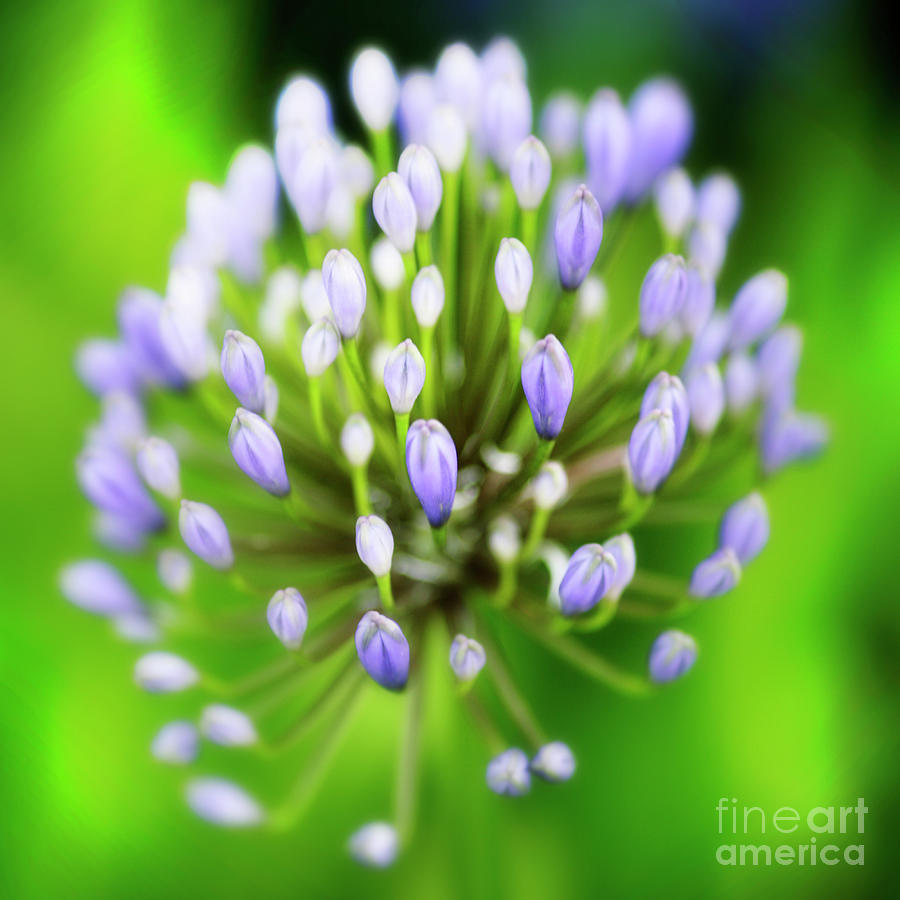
{"points": [[111, 109]]}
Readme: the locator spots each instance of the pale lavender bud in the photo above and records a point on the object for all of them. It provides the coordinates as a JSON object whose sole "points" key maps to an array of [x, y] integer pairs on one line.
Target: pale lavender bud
{"points": [[320, 347], [157, 462], [548, 380], [288, 617], [577, 236], [716, 575], [792, 436], [395, 211], [589, 578], [662, 294], [387, 265], [718, 202], [356, 170], [137, 628], [373, 84], [374, 845], [105, 365], [374, 544], [310, 183], [709, 344], [621, 548], [699, 299], [208, 218], [674, 193], [174, 570], [417, 101], [304, 104], [160, 672], [707, 246], [257, 451], [505, 118], [667, 392], [554, 762], [117, 533], [221, 802], [447, 138], [467, 657], [340, 211], [529, 172], [504, 540], [652, 450], [706, 394], [757, 308], [508, 774], [96, 587], [138, 314], [404, 376], [561, 124], [182, 330], [227, 726], [419, 169], [123, 422], [244, 369], [457, 80], [662, 124], [550, 485], [592, 300], [778, 359], [502, 59], [194, 287], [270, 404], [314, 297], [672, 655], [432, 466], [383, 650], [514, 272], [110, 482], [427, 296], [378, 359], [745, 527], [251, 188], [357, 440], [345, 285], [205, 534], [176, 743], [741, 382], [607, 147]]}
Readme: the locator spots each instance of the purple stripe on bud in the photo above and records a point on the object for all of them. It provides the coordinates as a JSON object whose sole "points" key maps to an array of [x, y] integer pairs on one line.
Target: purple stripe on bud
{"points": [[589, 578], [548, 380], [383, 650], [652, 450], [716, 575], [757, 307], [667, 392], [745, 527], [404, 376], [288, 617], [672, 655], [244, 370], [205, 534], [257, 451], [577, 235], [508, 774], [432, 466], [662, 294]]}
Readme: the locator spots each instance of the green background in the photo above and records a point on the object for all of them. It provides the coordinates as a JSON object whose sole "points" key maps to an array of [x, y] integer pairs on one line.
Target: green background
{"points": [[109, 111]]}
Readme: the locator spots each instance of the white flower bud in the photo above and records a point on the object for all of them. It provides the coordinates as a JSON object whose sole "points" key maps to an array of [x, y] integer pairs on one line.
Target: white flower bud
{"points": [[504, 540], [281, 301], [176, 743], [457, 79], [674, 194], [288, 617], [175, 570], [227, 726], [554, 762], [427, 296], [514, 272], [529, 172], [374, 845], [222, 802], [320, 347], [404, 376], [157, 462], [419, 169], [467, 657], [303, 104], [313, 296], [550, 485], [387, 265], [357, 440], [161, 672], [373, 84], [356, 170], [395, 211], [374, 544], [345, 285], [447, 137], [591, 300]]}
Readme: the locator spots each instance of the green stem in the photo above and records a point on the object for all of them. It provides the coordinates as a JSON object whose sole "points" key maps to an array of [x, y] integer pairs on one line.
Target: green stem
{"points": [[360, 483], [401, 422], [529, 231], [384, 590], [439, 535], [383, 150], [423, 248], [409, 266], [506, 586], [539, 519], [393, 319], [515, 331], [429, 391], [408, 761], [315, 404], [449, 262]]}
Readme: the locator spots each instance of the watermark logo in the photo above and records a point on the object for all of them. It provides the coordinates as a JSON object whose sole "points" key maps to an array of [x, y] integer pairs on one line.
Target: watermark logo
{"points": [[823, 835]]}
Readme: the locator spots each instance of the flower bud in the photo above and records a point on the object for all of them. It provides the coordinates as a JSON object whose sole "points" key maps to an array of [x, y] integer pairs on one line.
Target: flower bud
{"points": [[757, 307], [662, 293], [529, 172], [672, 655], [432, 466], [707, 246], [288, 617], [303, 103], [270, 406], [554, 762], [621, 548], [105, 365], [373, 84], [383, 650], [205, 534], [160, 672], [607, 147], [157, 462], [716, 575], [718, 202], [505, 119], [387, 265], [374, 544], [417, 101], [561, 124], [745, 527], [419, 169], [550, 485], [709, 344], [458, 82], [208, 218], [123, 422], [257, 451], [404, 376], [588, 579], [320, 347], [667, 392], [741, 382], [313, 296], [345, 285], [251, 188], [504, 540], [374, 845], [501, 58], [792, 436], [174, 570], [447, 137], [310, 183], [427, 295], [244, 369], [514, 272], [548, 381], [577, 236], [176, 743], [281, 302], [467, 657], [591, 301], [395, 211], [182, 330], [652, 450], [222, 802], [117, 533], [778, 359], [227, 726], [699, 299], [96, 587], [508, 774], [357, 440], [138, 314], [674, 194], [706, 393]]}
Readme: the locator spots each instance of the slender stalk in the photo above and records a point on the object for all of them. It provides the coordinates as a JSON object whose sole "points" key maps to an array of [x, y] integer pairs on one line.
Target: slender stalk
{"points": [[449, 261], [360, 482], [515, 331], [408, 761], [315, 404], [383, 150], [429, 392], [401, 422], [506, 587], [539, 519], [384, 590], [423, 248]]}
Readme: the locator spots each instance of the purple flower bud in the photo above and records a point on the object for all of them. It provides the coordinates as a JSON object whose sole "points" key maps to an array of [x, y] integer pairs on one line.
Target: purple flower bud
{"points": [[501, 58], [123, 535], [792, 436], [757, 308], [529, 172], [505, 119], [174, 570], [699, 299], [105, 365], [139, 312], [375, 544], [244, 369], [227, 726], [257, 451], [432, 466], [97, 587], [373, 83], [716, 575], [662, 293], [709, 344], [514, 272], [561, 124], [672, 655], [383, 650], [554, 762], [548, 380], [508, 774], [404, 376], [205, 534], [222, 802], [375, 845], [320, 347], [310, 182], [457, 78], [288, 617], [652, 450], [176, 743], [357, 440], [345, 285], [208, 218], [160, 672], [674, 194], [706, 393], [303, 104], [137, 629], [447, 138], [157, 462], [662, 124], [427, 296], [778, 359], [667, 392], [251, 188], [621, 548], [745, 527], [395, 211], [707, 246], [718, 202], [417, 101], [467, 657], [419, 169], [589, 577], [183, 333], [741, 382], [577, 236], [607, 147], [124, 423]]}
